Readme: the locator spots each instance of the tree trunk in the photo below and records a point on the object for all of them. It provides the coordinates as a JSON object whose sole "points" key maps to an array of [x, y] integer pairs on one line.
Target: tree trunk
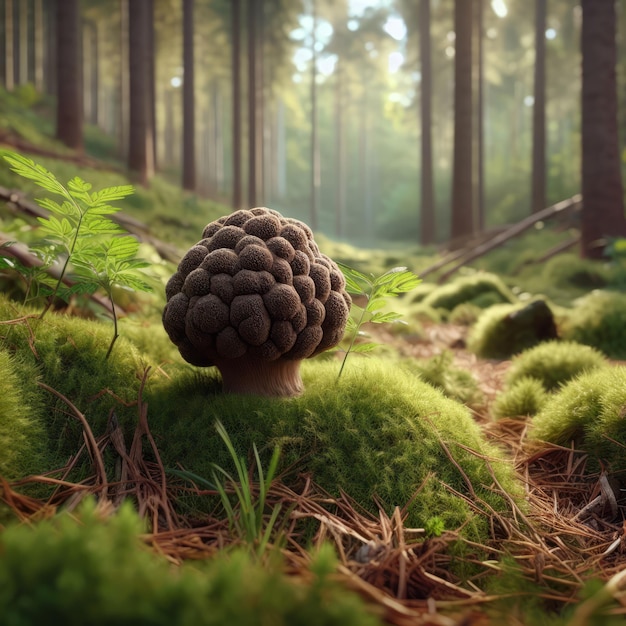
{"points": [[315, 149], [189, 108], [23, 42], [462, 187], [539, 110], [123, 84], [236, 83], [69, 117], [9, 76], [50, 61], [152, 78], [480, 118], [38, 40], [340, 153], [140, 149], [427, 209], [603, 203], [255, 102]]}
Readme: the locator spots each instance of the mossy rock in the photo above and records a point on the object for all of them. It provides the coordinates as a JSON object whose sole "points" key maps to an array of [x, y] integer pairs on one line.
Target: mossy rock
{"points": [[482, 289], [504, 330], [525, 397], [96, 571], [569, 270], [378, 433], [598, 320], [554, 363], [589, 411]]}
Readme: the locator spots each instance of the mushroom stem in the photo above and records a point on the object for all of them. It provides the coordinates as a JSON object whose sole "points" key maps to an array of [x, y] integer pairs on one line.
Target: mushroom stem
{"points": [[260, 377]]}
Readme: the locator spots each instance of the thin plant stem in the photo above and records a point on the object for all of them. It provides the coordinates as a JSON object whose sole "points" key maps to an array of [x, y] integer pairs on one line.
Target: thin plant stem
{"points": [[115, 333], [354, 336]]}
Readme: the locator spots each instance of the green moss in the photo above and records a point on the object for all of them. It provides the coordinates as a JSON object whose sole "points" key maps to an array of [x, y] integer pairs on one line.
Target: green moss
{"points": [[379, 432], [482, 289], [68, 354], [589, 411], [453, 382], [569, 270], [598, 320], [97, 572], [465, 314], [507, 329], [524, 397], [554, 363], [21, 428]]}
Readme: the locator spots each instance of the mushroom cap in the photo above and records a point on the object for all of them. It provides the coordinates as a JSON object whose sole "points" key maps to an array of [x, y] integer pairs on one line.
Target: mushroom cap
{"points": [[255, 284]]}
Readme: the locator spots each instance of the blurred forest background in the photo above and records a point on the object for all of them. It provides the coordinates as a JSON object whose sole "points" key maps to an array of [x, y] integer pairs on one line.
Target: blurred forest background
{"points": [[407, 121]]}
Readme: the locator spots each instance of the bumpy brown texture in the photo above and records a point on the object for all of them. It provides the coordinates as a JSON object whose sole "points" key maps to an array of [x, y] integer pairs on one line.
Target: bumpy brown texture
{"points": [[257, 285]]}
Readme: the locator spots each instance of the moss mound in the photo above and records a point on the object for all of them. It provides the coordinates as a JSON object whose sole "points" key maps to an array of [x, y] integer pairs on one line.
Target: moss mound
{"points": [[589, 411], [524, 397], [482, 289], [507, 329], [553, 363], [569, 270], [68, 355], [379, 432], [465, 314], [598, 320], [453, 382], [21, 427], [97, 572]]}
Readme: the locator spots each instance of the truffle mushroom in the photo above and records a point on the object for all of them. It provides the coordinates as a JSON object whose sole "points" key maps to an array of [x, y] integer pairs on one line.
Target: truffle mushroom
{"points": [[254, 297]]}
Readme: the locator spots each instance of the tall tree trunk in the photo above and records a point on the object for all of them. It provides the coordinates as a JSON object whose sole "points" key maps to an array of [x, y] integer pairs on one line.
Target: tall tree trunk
{"points": [[189, 108], [462, 188], [38, 51], [236, 83], [255, 102], [69, 116], [23, 42], [91, 71], [152, 78], [281, 152], [603, 202], [315, 149], [9, 75], [427, 209], [539, 111], [340, 152], [480, 118], [50, 61], [124, 83], [218, 123], [140, 149]]}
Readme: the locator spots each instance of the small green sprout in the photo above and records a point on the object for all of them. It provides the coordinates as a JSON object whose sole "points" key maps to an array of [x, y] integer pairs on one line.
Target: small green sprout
{"points": [[376, 291]]}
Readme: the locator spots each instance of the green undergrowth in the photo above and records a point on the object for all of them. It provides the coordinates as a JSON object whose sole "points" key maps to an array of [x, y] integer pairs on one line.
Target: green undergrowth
{"points": [[599, 319], [381, 432], [589, 411], [554, 363], [69, 355], [378, 433], [454, 382], [482, 289], [84, 569], [524, 397]]}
